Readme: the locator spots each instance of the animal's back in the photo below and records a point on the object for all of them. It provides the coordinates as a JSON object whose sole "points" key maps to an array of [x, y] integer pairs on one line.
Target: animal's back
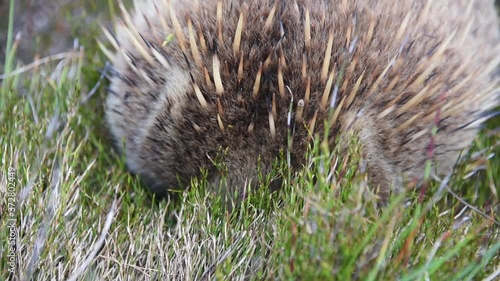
{"points": [[224, 85]]}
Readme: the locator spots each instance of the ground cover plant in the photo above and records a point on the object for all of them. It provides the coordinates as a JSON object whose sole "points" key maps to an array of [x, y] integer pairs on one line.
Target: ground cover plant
{"points": [[70, 210]]}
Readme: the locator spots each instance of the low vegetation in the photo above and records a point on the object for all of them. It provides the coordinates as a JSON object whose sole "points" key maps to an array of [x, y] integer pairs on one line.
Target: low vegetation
{"points": [[70, 210]]}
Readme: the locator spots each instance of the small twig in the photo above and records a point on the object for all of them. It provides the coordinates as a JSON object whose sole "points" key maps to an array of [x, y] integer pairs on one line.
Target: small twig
{"points": [[53, 204], [38, 63], [494, 275], [98, 245], [472, 207], [98, 84], [444, 185]]}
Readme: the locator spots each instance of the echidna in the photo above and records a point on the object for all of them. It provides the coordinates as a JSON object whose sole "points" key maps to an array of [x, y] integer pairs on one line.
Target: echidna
{"points": [[194, 80]]}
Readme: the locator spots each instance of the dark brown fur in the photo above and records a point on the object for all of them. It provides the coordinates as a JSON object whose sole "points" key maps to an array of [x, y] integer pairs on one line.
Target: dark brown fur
{"points": [[169, 135]]}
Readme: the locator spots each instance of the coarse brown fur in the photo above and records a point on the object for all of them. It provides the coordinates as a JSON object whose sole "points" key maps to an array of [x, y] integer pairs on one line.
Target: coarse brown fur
{"points": [[386, 71]]}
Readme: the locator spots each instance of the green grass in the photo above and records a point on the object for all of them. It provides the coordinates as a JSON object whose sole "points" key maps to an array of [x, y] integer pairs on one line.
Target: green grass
{"points": [[80, 216]]}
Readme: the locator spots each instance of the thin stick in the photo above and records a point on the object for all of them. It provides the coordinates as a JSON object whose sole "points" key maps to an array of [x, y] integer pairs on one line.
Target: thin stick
{"points": [[99, 244], [39, 62]]}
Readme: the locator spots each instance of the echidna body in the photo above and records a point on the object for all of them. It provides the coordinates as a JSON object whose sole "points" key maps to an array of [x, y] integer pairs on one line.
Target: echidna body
{"points": [[196, 81]]}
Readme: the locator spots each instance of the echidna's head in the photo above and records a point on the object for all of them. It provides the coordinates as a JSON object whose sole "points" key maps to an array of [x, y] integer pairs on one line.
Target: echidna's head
{"points": [[205, 88]]}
